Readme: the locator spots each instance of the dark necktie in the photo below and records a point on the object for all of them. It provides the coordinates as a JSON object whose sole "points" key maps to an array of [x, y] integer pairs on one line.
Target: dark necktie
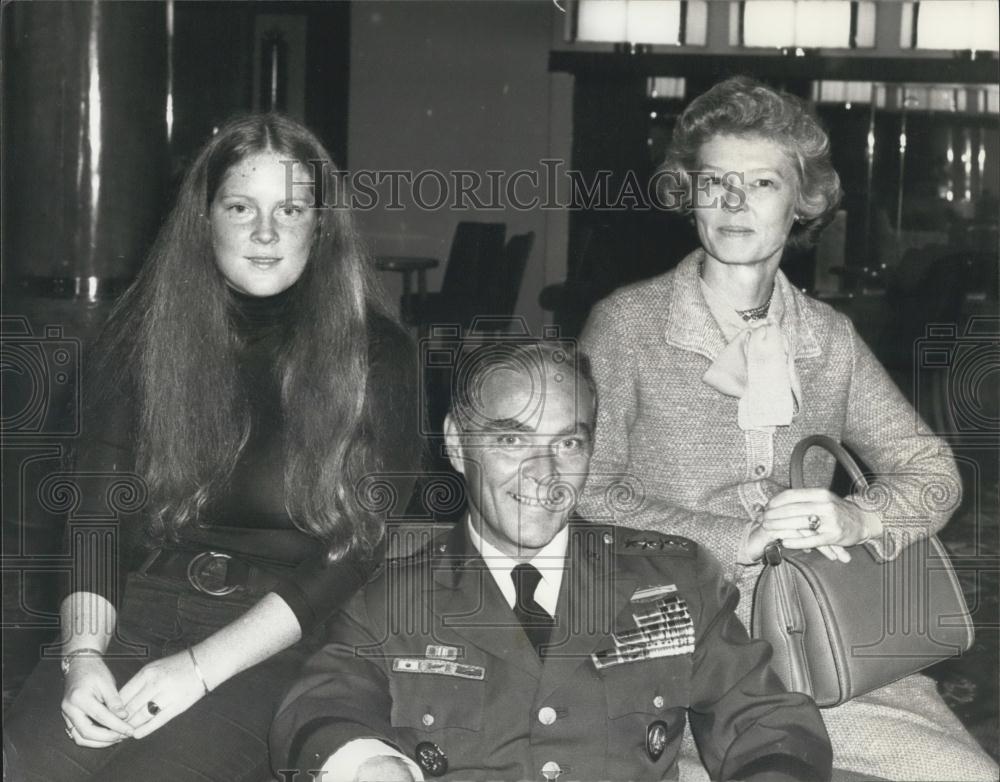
{"points": [[534, 619]]}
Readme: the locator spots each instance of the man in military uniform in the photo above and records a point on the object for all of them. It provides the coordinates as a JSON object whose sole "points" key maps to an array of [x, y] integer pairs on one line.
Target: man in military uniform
{"points": [[529, 645]]}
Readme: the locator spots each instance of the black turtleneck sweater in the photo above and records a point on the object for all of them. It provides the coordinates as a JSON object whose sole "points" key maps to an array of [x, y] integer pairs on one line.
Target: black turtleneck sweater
{"points": [[247, 517]]}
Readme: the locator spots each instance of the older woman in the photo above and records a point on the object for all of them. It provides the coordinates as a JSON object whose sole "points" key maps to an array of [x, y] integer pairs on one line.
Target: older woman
{"points": [[709, 375], [248, 384]]}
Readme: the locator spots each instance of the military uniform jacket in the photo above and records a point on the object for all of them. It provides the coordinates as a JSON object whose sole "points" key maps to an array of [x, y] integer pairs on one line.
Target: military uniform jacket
{"points": [[429, 653]]}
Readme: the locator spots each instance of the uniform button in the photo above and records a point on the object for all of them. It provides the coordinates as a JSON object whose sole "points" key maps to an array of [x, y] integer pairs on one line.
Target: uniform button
{"points": [[428, 720], [658, 701], [760, 469], [546, 715], [551, 770], [758, 507]]}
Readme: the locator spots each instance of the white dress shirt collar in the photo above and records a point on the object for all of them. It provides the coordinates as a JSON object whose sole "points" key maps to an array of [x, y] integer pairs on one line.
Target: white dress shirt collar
{"points": [[550, 562]]}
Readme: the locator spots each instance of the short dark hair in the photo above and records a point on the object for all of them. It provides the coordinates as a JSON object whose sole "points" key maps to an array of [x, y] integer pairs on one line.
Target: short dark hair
{"points": [[479, 360], [742, 106]]}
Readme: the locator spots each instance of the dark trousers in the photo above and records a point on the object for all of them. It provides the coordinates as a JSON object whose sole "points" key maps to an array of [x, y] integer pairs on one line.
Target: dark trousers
{"points": [[223, 737]]}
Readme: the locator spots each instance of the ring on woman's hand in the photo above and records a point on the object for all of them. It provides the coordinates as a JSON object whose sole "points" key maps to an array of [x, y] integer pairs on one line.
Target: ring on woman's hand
{"points": [[69, 731], [153, 707], [813, 522]]}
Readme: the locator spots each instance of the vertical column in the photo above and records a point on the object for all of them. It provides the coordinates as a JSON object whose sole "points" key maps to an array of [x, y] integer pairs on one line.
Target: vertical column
{"points": [[84, 141]]}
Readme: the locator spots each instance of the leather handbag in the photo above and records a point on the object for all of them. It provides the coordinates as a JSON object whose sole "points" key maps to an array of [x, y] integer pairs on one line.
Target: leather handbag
{"points": [[840, 630]]}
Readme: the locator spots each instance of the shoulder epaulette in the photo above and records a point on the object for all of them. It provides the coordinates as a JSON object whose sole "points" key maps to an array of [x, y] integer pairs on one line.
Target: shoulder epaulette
{"points": [[624, 540], [649, 542]]}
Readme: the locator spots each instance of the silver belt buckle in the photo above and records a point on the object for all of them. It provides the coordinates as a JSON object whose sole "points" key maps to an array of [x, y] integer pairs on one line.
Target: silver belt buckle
{"points": [[196, 568]]}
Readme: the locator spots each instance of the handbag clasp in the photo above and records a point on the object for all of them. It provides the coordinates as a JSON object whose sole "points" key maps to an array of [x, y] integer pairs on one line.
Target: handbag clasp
{"points": [[772, 553]]}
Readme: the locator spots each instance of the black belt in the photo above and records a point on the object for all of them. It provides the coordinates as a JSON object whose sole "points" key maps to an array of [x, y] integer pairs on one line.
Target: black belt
{"points": [[210, 572]]}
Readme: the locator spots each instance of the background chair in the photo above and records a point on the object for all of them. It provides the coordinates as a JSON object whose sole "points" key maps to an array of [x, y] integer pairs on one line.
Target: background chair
{"points": [[589, 280], [479, 296], [501, 285], [467, 290]]}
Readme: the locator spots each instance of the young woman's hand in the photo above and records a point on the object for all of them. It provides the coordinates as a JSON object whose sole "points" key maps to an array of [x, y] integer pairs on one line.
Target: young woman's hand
{"points": [[160, 691], [92, 707]]}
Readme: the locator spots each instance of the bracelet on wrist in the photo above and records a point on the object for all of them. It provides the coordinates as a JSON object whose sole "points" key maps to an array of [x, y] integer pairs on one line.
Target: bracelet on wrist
{"points": [[197, 670], [86, 651]]}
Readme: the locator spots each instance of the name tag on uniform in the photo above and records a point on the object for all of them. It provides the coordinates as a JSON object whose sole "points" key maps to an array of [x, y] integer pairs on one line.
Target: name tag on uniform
{"points": [[438, 667]]}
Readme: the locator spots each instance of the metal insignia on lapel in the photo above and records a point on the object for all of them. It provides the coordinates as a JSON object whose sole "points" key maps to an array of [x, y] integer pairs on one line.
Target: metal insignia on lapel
{"points": [[643, 543]]}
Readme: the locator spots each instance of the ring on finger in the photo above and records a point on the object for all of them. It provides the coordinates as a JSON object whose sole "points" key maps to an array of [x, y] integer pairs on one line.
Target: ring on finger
{"points": [[813, 522], [153, 707], [69, 731]]}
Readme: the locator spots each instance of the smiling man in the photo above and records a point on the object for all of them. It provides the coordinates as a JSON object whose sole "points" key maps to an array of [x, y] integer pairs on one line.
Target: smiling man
{"points": [[528, 644]]}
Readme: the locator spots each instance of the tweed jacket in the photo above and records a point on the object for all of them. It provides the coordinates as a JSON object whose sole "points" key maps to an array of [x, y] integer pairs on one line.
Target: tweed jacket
{"points": [[507, 713], [669, 455]]}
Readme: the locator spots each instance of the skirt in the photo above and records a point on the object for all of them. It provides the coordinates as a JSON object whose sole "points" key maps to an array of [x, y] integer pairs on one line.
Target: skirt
{"points": [[902, 732]]}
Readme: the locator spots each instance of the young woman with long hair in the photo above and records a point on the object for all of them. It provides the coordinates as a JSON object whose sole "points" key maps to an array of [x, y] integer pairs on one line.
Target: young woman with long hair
{"points": [[252, 388]]}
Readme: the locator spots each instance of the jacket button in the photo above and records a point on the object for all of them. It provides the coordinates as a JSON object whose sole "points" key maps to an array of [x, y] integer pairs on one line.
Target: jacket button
{"points": [[546, 715], [758, 507], [428, 720], [760, 469], [658, 701], [551, 771]]}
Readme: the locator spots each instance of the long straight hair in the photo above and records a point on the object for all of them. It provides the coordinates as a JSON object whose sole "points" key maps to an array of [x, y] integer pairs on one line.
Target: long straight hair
{"points": [[171, 343]]}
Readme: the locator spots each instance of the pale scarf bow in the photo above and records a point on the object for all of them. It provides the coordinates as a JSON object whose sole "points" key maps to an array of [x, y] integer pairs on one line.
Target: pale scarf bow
{"points": [[757, 365]]}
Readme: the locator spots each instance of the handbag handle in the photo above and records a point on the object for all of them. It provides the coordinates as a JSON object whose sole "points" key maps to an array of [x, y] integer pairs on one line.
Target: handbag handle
{"points": [[796, 470]]}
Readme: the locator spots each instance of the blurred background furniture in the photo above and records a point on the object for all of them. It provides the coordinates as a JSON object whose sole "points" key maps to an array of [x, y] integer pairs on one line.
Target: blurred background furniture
{"points": [[481, 283], [590, 279], [407, 266]]}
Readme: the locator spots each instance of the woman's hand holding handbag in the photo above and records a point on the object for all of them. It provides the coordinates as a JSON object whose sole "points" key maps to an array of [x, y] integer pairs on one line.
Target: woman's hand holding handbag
{"points": [[840, 629]]}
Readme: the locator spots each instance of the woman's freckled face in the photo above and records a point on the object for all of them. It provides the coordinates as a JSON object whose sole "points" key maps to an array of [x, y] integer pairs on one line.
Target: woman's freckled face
{"points": [[261, 238]]}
